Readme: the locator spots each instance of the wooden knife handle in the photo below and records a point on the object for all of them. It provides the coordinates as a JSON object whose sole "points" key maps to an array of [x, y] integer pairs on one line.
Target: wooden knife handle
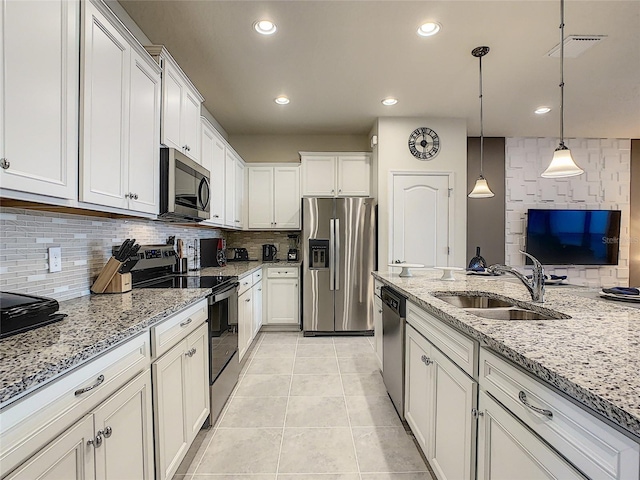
{"points": [[106, 275]]}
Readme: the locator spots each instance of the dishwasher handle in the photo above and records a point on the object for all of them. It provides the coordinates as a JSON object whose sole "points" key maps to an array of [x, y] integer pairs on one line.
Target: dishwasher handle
{"points": [[396, 302]]}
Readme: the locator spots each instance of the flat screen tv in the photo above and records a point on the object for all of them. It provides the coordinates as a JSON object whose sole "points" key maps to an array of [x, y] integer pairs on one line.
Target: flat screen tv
{"points": [[573, 237]]}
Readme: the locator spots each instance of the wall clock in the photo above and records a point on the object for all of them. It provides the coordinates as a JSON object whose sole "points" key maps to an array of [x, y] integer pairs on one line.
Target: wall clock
{"points": [[424, 143]]}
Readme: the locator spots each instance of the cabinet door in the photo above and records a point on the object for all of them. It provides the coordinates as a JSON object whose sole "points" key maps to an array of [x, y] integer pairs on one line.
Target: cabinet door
{"points": [[144, 134], [127, 439], [245, 322], [172, 95], [68, 457], [283, 301], [212, 154], [239, 194], [169, 389], [197, 380], [507, 449], [453, 447], [319, 176], [354, 175], [39, 98], [257, 309], [261, 196], [377, 328], [230, 190], [419, 387], [191, 124], [286, 198], [105, 109]]}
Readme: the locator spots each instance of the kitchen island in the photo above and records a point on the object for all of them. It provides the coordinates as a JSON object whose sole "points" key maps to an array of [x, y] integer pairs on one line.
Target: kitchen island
{"points": [[592, 357]]}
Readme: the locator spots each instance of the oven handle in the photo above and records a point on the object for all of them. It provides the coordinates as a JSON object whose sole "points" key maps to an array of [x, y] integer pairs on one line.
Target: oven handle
{"points": [[218, 297]]}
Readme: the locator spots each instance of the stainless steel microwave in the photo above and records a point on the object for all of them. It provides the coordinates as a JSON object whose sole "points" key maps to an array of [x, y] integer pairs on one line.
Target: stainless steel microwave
{"points": [[184, 188]]}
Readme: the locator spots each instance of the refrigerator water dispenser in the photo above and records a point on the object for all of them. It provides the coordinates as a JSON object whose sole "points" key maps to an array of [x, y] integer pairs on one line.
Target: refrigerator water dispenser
{"points": [[318, 254]]}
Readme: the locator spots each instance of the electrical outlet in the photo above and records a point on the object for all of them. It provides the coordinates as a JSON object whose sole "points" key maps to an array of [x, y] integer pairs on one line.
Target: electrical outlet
{"points": [[55, 259]]}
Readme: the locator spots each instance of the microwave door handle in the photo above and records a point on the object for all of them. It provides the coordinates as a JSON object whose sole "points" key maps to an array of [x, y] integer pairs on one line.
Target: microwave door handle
{"points": [[204, 182], [332, 238]]}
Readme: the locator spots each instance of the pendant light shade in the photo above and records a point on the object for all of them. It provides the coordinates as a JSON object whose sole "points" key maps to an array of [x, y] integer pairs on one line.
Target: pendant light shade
{"points": [[562, 165], [481, 188]]}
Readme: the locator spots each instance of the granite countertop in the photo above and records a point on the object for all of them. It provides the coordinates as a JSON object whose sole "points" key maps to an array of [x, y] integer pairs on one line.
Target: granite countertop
{"points": [[94, 323], [593, 357]]}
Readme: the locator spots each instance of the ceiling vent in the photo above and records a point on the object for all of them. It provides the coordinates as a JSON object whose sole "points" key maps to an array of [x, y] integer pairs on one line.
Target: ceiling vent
{"points": [[576, 45]]}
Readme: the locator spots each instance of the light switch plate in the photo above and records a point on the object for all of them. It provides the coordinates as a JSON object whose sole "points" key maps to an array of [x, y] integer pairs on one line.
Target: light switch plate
{"points": [[55, 259]]}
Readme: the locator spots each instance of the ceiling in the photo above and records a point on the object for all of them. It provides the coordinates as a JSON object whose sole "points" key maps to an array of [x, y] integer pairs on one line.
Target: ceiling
{"points": [[336, 61]]}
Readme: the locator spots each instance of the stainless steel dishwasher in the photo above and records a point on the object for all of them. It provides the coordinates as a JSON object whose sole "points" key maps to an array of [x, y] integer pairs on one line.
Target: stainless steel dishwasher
{"points": [[393, 325]]}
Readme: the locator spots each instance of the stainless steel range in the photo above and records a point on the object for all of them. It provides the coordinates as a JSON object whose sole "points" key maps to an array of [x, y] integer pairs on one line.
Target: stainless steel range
{"points": [[154, 270]]}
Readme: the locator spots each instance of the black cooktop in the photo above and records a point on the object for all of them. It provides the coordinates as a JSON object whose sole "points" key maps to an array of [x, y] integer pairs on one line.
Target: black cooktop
{"points": [[188, 281]]}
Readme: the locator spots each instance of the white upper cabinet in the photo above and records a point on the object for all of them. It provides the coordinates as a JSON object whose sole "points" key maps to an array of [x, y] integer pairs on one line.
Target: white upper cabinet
{"points": [[274, 197], [181, 104], [234, 190], [239, 194], [120, 98], [336, 174], [39, 52], [212, 154]]}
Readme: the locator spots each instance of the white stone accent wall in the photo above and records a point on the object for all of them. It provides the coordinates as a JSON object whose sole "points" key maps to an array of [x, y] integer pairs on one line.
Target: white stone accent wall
{"points": [[26, 235], [604, 185]]}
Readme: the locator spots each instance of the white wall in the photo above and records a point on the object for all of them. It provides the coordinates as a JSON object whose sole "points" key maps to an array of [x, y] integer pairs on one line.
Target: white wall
{"points": [[604, 185], [393, 155]]}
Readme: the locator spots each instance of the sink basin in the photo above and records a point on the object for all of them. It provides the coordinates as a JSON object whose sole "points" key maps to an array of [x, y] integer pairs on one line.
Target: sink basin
{"points": [[512, 314], [473, 301]]}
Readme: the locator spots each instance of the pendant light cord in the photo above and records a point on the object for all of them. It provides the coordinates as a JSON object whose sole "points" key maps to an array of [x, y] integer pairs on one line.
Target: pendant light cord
{"points": [[481, 124], [561, 73]]}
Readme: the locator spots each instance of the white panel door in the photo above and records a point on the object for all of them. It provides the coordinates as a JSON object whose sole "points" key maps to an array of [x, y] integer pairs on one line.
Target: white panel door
{"points": [[319, 176], [68, 457], [106, 60], [286, 197], [507, 450], [39, 84], [245, 322], [283, 301], [191, 124], [229, 189], [261, 197], [127, 439], [144, 136], [197, 381], [257, 308], [239, 195], [419, 386], [172, 96], [212, 155], [377, 329], [420, 219], [354, 175]]}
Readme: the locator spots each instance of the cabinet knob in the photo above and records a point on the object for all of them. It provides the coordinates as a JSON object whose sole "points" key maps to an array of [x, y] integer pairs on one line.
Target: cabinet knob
{"points": [[259, 289], [248, 300], [135, 196], [191, 352], [96, 442], [4, 163], [379, 311], [475, 413], [426, 360], [333, 191], [216, 216], [184, 147], [340, 190], [107, 432]]}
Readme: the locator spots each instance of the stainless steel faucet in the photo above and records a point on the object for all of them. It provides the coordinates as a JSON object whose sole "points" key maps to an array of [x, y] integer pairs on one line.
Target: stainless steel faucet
{"points": [[535, 286]]}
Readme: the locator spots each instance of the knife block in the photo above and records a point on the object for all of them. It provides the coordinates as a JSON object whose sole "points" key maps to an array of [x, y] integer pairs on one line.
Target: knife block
{"points": [[120, 283], [106, 275]]}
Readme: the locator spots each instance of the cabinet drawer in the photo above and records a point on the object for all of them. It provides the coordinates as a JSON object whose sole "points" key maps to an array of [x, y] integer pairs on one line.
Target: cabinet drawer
{"points": [[33, 421], [590, 444], [257, 276], [246, 283], [282, 272], [461, 349], [169, 332]]}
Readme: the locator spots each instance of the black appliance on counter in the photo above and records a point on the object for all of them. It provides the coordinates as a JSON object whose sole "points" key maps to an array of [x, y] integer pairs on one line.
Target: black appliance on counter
{"points": [[20, 313], [239, 255], [224, 365], [213, 252], [269, 252]]}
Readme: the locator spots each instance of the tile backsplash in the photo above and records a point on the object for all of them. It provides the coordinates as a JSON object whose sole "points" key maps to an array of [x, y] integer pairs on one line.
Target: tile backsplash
{"points": [[86, 242], [253, 242]]}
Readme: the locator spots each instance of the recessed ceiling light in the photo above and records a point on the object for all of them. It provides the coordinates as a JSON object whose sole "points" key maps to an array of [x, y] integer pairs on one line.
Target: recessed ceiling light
{"points": [[389, 101], [542, 110], [428, 29], [265, 27], [281, 100]]}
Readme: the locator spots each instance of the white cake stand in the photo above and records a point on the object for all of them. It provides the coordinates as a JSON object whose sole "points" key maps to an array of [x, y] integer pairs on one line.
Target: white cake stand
{"points": [[405, 268], [447, 273]]}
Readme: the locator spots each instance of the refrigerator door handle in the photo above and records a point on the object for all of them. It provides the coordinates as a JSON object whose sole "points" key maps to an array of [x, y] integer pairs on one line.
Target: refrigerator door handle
{"points": [[332, 263], [336, 256]]}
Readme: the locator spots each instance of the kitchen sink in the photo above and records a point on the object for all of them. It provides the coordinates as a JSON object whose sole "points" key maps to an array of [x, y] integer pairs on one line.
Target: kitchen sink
{"points": [[474, 301], [513, 314]]}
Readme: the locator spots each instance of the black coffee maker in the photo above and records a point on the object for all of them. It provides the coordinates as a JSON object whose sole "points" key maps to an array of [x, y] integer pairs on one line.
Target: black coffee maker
{"points": [[269, 252], [292, 254]]}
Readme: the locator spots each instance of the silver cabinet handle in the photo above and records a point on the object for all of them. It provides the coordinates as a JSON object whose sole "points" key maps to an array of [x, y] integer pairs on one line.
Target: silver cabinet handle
{"points": [[99, 380], [191, 352], [135, 196], [259, 289], [184, 147], [108, 431], [4, 163], [216, 216], [332, 190], [248, 300], [523, 398], [186, 322], [96, 442], [426, 360], [379, 311], [475, 413]]}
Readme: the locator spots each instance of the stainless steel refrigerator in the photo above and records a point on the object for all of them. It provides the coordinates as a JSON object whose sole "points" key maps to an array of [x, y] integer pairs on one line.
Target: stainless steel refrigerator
{"points": [[338, 256]]}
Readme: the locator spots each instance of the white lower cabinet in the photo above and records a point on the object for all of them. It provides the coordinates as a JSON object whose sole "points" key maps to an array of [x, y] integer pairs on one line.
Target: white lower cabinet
{"points": [[439, 401], [245, 322], [180, 398], [257, 308], [283, 296], [507, 450], [377, 328]]}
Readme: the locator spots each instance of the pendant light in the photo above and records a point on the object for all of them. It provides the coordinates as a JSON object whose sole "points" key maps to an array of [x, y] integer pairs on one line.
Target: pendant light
{"points": [[562, 165], [481, 188]]}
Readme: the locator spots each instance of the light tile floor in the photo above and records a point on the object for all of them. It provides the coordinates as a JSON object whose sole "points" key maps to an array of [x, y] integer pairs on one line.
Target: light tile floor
{"points": [[308, 409]]}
